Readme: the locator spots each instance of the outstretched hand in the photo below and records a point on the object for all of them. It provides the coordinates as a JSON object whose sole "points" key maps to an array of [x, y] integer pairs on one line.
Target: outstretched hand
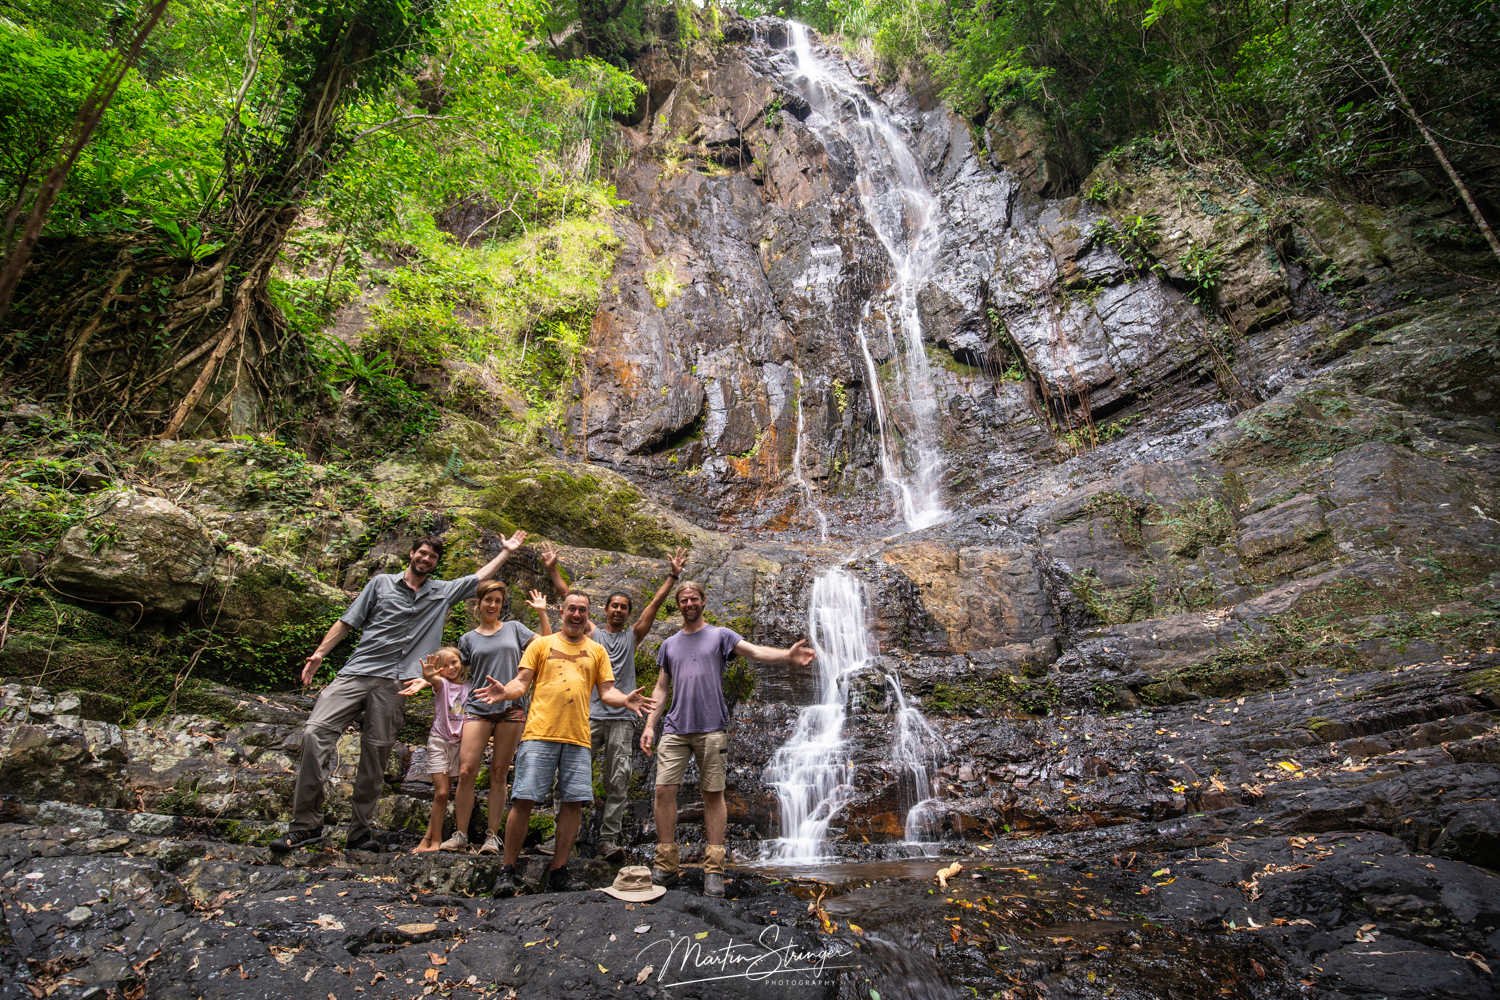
{"points": [[413, 686], [492, 692], [536, 600], [310, 668], [800, 654], [514, 542], [549, 554], [639, 703], [679, 560]]}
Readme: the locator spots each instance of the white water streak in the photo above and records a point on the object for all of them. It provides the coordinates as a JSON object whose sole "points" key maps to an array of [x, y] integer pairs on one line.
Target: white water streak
{"points": [[903, 213]]}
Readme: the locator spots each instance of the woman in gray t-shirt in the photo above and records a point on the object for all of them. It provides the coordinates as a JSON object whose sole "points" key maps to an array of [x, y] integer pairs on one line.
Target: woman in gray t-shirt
{"points": [[492, 649]]}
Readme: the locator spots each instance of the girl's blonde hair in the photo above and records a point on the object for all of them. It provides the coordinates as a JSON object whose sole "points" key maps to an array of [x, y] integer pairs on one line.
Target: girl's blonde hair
{"points": [[463, 668]]}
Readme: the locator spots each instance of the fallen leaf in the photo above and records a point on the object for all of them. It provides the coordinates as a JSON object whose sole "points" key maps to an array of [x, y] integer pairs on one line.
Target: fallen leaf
{"points": [[436, 959], [328, 922], [413, 930], [430, 975], [700, 935], [600, 967], [644, 974], [856, 928], [642, 928]]}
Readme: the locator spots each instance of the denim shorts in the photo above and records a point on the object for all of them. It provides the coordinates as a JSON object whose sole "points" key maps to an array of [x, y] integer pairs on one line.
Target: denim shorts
{"points": [[537, 761]]}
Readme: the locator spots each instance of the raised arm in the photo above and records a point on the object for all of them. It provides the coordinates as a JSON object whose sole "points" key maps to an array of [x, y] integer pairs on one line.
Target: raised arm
{"points": [[331, 638], [648, 613], [508, 546], [538, 603], [554, 569], [798, 654]]}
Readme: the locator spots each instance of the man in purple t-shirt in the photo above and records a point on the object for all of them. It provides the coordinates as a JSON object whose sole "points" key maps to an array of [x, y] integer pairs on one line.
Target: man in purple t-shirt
{"points": [[692, 667]]}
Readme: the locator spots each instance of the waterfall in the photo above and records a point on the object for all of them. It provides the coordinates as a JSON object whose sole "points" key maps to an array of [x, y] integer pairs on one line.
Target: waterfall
{"points": [[812, 772], [903, 213], [915, 754]]}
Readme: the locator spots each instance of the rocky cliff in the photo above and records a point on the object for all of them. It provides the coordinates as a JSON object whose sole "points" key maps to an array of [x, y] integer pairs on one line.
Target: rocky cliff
{"points": [[1209, 621]]}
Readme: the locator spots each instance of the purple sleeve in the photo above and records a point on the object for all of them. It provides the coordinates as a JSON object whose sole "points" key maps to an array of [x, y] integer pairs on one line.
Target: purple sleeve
{"points": [[662, 661], [728, 639]]}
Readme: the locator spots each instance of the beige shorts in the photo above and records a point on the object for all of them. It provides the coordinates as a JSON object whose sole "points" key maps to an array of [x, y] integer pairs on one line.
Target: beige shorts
{"points": [[672, 757], [442, 756]]}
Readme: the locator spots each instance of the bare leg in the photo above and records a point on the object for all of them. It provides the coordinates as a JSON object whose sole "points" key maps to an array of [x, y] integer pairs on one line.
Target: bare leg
{"points": [[507, 735], [516, 823], [569, 819], [441, 787], [476, 733], [715, 817]]}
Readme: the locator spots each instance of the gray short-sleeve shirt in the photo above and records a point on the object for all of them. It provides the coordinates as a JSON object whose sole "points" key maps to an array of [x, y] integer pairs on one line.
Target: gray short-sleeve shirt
{"points": [[494, 656], [621, 649], [399, 626]]}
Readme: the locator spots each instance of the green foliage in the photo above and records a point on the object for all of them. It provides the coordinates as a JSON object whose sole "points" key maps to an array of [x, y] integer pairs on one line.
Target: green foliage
{"points": [[1293, 89], [1134, 238], [1203, 267]]}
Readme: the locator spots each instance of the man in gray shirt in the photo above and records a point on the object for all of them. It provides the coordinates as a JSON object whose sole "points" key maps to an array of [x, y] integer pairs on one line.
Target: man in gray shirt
{"points": [[613, 730], [400, 617]]}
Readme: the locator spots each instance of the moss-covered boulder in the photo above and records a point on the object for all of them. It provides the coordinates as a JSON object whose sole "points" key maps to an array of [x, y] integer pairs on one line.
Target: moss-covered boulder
{"points": [[139, 550]]}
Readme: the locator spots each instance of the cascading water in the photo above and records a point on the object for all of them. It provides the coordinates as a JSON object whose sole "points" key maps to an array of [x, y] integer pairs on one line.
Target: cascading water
{"points": [[903, 212], [813, 773]]}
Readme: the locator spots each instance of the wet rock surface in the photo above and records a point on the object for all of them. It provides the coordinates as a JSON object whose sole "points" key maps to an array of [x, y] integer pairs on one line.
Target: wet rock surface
{"points": [[1206, 645]]}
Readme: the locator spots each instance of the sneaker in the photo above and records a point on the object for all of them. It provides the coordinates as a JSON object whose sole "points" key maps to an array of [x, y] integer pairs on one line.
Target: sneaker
{"points": [[458, 842], [491, 845], [506, 883], [297, 838], [557, 879], [610, 851], [364, 840], [713, 885]]}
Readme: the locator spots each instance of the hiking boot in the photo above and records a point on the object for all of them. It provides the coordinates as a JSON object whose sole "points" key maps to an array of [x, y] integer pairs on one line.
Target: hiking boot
{"points": [[491, 845], [664, 869], [365, 840], [458, 842], [557, 879], [713, 871], [295, 838], [610, 851], [506, 883]]}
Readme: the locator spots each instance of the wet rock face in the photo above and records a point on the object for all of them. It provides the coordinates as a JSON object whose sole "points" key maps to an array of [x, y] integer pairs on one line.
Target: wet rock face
{"points": [[727, 333]]}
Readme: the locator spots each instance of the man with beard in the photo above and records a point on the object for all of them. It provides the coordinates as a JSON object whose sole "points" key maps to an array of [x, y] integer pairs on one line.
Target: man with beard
{"points": [[400, 617], [692, 662], [613, 730]]}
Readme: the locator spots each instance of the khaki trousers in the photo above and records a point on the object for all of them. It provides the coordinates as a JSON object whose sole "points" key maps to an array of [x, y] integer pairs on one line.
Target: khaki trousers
{"points": [[613, 746], [340, 703]]}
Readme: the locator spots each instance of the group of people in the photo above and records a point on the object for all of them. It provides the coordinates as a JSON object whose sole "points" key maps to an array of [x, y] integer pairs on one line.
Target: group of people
{"points": [[548, 701]]}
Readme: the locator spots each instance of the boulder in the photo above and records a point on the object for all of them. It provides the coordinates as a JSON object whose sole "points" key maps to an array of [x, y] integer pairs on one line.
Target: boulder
{"points": [[136, 550]]}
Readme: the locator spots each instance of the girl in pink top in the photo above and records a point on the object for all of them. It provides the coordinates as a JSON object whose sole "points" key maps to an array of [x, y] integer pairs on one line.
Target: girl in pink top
{"points": [[444, 671]]}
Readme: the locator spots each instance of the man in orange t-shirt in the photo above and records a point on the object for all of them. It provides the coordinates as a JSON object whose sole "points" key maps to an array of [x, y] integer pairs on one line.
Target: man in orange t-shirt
{"points": [[567, 667]]}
